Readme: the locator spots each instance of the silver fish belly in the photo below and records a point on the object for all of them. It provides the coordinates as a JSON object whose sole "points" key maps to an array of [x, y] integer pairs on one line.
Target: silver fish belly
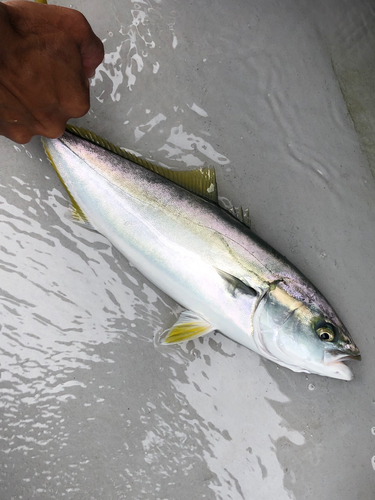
{"points": [[225, 277]]}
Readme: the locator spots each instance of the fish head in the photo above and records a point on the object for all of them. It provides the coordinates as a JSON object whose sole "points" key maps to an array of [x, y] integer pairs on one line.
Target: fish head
{"points": [[303, 333]]}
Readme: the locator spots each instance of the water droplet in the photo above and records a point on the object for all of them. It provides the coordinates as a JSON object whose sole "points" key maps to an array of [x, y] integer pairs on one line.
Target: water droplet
{"points": [[311, 387], [373, 462], [323, 255], [373, 431], [110, 33]]}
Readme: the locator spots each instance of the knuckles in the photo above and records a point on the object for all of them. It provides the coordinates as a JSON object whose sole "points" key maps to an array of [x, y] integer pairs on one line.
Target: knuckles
{"points": [[76, 104], [77, 22], [54, 131], [81, 109], [47, 120], [19, 135], [23, 135]]}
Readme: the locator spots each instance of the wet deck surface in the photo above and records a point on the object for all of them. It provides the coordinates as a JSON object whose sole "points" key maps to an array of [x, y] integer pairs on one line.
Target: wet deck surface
{"points": [[278, 97]]}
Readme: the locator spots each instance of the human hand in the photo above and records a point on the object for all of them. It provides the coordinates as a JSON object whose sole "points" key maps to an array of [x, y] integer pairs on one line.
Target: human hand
{"points": [[47, 55]]}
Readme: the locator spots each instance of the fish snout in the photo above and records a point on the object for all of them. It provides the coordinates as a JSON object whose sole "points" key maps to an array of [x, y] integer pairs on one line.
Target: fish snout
{"points": [[347, 353]]}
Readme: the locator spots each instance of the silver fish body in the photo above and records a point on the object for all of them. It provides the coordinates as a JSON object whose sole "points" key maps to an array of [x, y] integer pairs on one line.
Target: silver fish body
{"points": [[225, 277]]}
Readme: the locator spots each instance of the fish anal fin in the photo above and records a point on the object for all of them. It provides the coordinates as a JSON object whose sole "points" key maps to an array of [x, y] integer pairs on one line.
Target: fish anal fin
{"points": [[200, 181], [236, 286], [78, 216], [189, 326]]}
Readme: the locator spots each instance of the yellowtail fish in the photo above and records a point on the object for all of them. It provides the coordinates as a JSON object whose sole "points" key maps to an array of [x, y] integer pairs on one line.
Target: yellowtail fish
{"points": [[169, 225]]}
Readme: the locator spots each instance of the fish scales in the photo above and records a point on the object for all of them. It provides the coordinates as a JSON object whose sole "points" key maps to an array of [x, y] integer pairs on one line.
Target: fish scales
{"points": [[226, 277]]}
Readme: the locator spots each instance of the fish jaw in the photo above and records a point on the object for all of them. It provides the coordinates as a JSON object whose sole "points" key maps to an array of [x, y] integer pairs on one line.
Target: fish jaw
{"points": [[338, 369]]}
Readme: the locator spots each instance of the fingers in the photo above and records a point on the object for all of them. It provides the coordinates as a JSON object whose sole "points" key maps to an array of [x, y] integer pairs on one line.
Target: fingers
{"points": [[18, 134], [65, 88], [15, 120], [40, 92], [44, 70]]}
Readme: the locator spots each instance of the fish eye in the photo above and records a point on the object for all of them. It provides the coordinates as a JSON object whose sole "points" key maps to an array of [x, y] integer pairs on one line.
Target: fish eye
{"points": [[326, 334]]}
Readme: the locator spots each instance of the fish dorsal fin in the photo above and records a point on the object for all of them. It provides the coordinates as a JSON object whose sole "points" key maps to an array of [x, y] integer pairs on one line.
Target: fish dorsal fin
{"points": [[241, 214], [200, 181], [189, 326], [77, 213]]}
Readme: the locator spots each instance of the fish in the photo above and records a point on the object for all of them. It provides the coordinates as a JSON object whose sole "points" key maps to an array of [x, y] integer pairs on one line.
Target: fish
{"points": [[169, 225]]}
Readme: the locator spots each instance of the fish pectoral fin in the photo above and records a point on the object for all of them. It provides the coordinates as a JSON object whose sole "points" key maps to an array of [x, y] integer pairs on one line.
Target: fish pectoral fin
{"points": [[189, 326], [236, 286]]}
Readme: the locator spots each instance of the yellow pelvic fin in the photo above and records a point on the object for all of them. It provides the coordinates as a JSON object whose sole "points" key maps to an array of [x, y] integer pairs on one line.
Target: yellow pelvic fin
{"points": [[77, 213], [201, 181], [189, 326]]}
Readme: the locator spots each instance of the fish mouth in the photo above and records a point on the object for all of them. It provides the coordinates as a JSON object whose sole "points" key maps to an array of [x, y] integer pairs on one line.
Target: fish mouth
{"points": [[334, 361], [344, 355], [348, 357]]}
